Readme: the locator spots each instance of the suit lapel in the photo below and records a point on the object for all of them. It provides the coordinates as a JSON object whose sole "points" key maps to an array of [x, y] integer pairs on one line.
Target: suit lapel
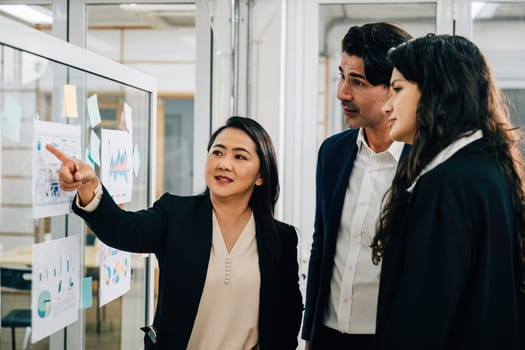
{"points": [[265, 265], [341, 173], [195, 247], [268, 291]]}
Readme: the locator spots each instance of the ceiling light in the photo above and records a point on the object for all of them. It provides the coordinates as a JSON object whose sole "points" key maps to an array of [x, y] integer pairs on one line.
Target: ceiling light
{"points": [[483, 10], [31, 14], [159, 7]]}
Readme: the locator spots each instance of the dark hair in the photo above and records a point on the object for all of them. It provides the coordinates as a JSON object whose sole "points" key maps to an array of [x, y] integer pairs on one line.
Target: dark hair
{"points": [[371, 42], [264, 197], [458, 95]]}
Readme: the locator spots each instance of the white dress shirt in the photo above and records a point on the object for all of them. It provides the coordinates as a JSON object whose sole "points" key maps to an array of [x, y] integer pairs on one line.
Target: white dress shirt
{"points": [[352, 302], [91, 206], [446, 153]]}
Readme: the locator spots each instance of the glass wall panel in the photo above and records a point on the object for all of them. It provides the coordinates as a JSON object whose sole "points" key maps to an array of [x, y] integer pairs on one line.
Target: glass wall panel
{"points": [[34, 88], [160, 40], [24, 92]]}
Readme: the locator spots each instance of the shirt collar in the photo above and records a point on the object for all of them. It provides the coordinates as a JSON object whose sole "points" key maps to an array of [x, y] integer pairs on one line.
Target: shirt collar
{"points": [[448, 152], [395, 149]]}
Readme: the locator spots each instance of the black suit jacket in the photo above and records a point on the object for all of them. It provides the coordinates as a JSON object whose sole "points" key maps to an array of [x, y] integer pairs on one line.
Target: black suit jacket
{"points": [[448, 279], [179, 231], [334, 167]]}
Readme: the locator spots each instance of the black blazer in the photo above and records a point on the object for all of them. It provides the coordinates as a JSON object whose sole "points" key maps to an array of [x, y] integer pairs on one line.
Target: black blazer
{"points": [[334, 167], [179, 231], [448, 279]]}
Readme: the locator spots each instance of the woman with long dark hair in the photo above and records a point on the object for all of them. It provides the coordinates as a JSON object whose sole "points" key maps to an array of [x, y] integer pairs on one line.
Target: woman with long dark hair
{"points": [[452, 229], [228, 270]]}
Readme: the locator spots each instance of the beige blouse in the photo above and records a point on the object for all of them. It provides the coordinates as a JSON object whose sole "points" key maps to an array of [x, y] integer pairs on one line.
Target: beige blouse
{"points": [[228, 312]]}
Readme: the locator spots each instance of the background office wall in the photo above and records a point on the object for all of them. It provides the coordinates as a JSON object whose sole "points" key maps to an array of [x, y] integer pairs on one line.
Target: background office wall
{"points": [[287, 94]]}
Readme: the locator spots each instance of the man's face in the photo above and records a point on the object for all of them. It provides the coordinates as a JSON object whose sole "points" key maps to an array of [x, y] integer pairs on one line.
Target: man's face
{"points": [[361, 101]]}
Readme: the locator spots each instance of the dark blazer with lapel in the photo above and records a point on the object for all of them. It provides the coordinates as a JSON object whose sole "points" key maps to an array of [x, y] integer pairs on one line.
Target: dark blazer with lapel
{"points": [[179, 231], [334, 167], [448, 279]]}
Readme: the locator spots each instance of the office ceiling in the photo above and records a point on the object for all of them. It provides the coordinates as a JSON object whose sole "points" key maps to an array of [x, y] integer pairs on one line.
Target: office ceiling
{"points": [[404, 11], [155, 16], [377, 12], [183, 15]]}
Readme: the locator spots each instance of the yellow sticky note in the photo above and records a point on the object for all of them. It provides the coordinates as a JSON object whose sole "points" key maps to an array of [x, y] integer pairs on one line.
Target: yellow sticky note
{"points": [[69, 105]]}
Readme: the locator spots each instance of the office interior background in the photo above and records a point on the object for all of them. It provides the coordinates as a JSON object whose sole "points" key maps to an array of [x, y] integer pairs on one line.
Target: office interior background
{"points": [[185, 67]]}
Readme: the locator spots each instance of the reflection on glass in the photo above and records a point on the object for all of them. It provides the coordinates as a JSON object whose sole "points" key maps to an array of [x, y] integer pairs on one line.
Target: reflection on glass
{"points": [[160, 40], [34, 15], [334, 22], [496, 28]]}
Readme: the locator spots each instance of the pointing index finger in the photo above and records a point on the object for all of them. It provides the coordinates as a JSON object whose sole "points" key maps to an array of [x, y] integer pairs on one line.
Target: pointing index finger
{"points": [[58, 153]]}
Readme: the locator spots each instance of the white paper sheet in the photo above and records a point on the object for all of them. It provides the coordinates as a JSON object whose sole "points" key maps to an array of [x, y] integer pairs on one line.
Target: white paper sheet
{"points": [[55, 297], [48, 198], [115, 273], [126, 122], [117, 164]]}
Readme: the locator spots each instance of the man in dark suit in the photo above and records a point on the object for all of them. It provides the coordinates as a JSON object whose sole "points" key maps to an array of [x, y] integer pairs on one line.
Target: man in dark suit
{"points": [[354, 170]]}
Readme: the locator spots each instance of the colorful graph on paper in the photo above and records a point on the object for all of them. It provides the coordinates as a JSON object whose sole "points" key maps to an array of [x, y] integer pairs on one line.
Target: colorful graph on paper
{"points": [[116, 166], [48, 198], [114, 272], [55, 295]]}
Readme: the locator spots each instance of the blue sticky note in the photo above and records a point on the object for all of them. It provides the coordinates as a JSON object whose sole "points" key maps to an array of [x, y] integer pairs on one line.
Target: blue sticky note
{"points": [[93, 111], [94, 147], [12, 116], [89, 159], [87, 293]]}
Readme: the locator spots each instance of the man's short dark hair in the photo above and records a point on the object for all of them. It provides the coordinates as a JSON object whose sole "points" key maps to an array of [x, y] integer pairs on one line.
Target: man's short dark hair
{"points": [[371, 42]]}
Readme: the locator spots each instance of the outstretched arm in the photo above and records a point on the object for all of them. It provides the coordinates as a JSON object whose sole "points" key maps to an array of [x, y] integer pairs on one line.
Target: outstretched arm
{"points": [[141, 231], [75, 174]]}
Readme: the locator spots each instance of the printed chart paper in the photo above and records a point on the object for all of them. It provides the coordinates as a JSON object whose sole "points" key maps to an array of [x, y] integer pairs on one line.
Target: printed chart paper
{"points": [[48, 198], [117, 164], [115, 276], [55, 297]]}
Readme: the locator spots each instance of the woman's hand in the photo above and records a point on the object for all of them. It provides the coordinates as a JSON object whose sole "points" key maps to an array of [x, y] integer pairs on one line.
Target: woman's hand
{"points": [[75, 174]]}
